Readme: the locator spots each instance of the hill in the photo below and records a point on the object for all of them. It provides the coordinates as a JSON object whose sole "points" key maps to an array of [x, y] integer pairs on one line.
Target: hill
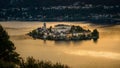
{"points": [[60, 10]]}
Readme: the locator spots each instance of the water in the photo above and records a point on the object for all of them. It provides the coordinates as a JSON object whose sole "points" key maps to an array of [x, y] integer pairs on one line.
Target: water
{"points": [[105, 53]]}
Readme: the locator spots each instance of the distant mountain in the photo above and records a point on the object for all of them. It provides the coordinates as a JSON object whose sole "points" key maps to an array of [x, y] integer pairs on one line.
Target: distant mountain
{"points": [[40, 3]]}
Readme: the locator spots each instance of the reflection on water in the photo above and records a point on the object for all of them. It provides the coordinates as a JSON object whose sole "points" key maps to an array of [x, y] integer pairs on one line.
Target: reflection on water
{"points": [[67, 43], [101, 53], [108, 55], [95, 40]]}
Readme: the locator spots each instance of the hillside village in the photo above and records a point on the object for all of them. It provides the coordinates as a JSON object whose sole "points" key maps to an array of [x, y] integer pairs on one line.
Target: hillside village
{"points": [[94, 11]]}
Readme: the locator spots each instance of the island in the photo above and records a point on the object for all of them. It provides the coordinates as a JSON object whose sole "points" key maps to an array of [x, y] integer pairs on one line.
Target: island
{"points": [[63, 32]]}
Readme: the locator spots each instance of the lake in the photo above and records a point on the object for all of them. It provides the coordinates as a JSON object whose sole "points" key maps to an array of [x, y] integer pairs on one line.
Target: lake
{"points": [[104, 53]]}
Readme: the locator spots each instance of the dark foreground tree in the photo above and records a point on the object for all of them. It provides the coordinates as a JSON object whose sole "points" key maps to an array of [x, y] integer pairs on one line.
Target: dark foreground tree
{"points": [[4, 64], [32, 63], [7, 48], [10, 59]]}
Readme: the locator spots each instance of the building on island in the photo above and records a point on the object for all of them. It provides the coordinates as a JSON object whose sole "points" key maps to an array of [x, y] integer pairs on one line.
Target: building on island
{"points": [[44, 26], [62, 32], [61, 28]]}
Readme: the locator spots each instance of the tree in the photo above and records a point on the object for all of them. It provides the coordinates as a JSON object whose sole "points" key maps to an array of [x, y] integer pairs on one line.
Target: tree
{"points": [[76, 29], [33, 63], [95, 34], [50, 28], [7, 48], [9, 58], [79, 29], [72, 29]]}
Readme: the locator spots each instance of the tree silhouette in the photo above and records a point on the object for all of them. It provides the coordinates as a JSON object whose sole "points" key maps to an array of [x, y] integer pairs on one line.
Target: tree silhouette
{"points": [[95, 34], [33, 63], [7, 48]]}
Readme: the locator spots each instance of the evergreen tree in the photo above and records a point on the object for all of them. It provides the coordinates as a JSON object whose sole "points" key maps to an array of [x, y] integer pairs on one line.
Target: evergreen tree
{"points": [[95, 34], [7, 48]]}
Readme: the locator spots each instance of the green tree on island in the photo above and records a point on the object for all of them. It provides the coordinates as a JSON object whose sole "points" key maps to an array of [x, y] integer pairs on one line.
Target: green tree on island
{"points": [[95, 34], [76, 29]]}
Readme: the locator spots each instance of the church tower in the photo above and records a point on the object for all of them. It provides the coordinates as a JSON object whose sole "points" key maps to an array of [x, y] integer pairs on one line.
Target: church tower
{"points": [[44, 26]]}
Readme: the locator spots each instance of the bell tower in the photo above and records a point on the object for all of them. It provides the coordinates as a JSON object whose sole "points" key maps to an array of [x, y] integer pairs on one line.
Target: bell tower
{"points": [[44, 26]]}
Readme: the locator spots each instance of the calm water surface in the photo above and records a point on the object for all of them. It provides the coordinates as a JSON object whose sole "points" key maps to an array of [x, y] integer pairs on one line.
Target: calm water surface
{"points": [[105, 53]]}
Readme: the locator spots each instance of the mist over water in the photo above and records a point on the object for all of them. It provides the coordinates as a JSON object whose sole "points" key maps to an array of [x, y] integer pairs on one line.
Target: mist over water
{"points": [[105, 53]]}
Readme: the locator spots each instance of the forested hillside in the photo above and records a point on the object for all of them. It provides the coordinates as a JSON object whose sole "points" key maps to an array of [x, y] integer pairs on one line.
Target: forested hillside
{"points": [[60, 10]]}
